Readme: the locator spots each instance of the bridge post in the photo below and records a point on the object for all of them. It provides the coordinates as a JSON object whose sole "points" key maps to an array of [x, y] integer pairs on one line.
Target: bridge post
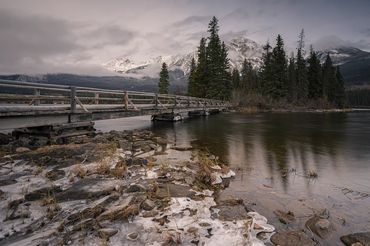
{"points": [[73, 99], [126, 100], [96, 98], [175, 105], [37, 93], [188, 102], [156, 100]]}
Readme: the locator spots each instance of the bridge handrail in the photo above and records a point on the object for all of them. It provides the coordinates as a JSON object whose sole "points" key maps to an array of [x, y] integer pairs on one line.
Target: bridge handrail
{"points": [[129, 99]]}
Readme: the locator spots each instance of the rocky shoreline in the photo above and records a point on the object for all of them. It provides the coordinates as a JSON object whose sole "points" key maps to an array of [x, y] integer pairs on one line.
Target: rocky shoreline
{"points": [[120, 188], [129, 188]]}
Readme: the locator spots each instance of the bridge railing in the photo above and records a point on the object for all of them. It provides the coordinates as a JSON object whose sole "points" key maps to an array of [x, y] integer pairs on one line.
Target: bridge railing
{"points": [[19, 95]]}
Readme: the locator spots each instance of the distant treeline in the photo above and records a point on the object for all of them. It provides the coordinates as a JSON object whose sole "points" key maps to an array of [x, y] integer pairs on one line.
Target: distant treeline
{"points": [[293, 81], [358, 96]]}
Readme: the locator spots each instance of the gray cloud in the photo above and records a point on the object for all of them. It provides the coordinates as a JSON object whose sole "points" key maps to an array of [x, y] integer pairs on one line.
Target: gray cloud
{"points": [[66, 36]]}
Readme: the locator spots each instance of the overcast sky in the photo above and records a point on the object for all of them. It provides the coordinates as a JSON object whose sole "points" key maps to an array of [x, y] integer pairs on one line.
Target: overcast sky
{"points": [[78, 36]]}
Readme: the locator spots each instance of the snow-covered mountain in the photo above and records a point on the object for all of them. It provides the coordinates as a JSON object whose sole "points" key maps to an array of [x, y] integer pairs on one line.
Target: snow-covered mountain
{"points": [[179, 65]]}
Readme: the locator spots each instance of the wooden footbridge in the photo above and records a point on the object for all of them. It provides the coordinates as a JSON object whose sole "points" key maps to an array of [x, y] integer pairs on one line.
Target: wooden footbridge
{"points": [[29, 104]]}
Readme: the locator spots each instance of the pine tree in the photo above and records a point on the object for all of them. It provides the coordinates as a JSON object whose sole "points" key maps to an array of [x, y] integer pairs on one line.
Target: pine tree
{"points": [[329, 78], [301, 74], [192, 79], [248, 77], [225, 74], [266, 70], [201, 71], [279, 86], [339, 92], [236, 79], [292, 80], [314, 76], [164, 82]]}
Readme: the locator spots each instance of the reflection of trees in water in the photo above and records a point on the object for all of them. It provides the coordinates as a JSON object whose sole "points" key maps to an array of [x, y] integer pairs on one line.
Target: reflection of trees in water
{"points": [[289, 138]]}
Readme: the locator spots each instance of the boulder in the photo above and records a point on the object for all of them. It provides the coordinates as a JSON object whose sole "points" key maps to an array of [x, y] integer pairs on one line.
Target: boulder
{"points": [[148, 205], [22, 149], [291, 238], [361, 238], [320, 226], [106, 233]]}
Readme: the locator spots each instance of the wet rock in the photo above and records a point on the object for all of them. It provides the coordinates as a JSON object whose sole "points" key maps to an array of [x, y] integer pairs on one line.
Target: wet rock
{"points": [[230, 213], [116, 211], [95, 209], [19, 212], [174, 190], [136, 188], [361, 238], [285, 217], [148, 205], [320, 226], [55, 174], [182, 148], [132, 236], [136, 161], [22, 149], [88, 188], [148, 214], [291, 238], [106, 233], [42, 193]]}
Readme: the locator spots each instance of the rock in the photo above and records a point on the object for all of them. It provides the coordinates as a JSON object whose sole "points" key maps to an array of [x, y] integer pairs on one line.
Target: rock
{"points": [[361, 238], [136, 161], [285, 217], [216, 178], [117, 211], [22, 149], [42, 193], [55, 174], [230, 213], [321, 227], [19, 212], [148, 214], [106, 233], [88, 188], [148, 205], [182, 148], [174, 190], [136, 188], [132, 236], [291, 238]]}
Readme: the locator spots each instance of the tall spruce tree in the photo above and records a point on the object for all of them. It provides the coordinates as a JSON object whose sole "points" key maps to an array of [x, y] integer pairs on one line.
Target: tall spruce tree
{"points": [[201, 71], [192, 79], [164, 82], [266, 75], [236, 79], [314, 76], [292, 87], [339, 92], [329, 78], [301, 74], [225, 74], [279, 84]]}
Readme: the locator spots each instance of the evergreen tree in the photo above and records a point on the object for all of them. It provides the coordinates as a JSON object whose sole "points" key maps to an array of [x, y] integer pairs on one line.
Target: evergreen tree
{"points": [[329, 78], [292, 79], [314, 76], [236, 79], [192, 79], [279, 84], [248, 77], [225, 74], [266, 75], [301, 74], [164, 82], [339, 92], [201, 72]]}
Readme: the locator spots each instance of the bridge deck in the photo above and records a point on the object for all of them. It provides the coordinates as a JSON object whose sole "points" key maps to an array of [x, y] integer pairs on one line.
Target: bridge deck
{"points": [[27, 104]]}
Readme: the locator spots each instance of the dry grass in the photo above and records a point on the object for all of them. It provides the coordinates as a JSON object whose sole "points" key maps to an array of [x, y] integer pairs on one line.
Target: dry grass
{"points": [[312, 174], [79, 171], [103, 168]]}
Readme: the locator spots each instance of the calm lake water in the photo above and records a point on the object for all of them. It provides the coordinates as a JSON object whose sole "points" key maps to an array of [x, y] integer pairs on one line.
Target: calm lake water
{"points": [[273, 152]]}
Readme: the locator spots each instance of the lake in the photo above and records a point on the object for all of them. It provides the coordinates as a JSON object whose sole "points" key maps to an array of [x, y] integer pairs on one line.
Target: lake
{"points": [[273, 153]]}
